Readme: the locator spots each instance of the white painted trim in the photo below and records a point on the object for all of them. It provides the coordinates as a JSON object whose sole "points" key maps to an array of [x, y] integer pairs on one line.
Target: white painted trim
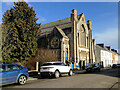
{"points": [[84, 49]]}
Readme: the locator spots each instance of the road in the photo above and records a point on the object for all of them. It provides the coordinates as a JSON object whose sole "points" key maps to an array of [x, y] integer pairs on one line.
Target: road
{"points": [[105, 79]]}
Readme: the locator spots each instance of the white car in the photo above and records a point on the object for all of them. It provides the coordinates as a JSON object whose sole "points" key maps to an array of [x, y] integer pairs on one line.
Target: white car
{"points": [[55, 69]]}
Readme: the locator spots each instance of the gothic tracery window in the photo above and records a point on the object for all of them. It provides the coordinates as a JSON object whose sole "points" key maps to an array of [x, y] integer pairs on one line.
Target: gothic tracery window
{"points": [[83, 36]]}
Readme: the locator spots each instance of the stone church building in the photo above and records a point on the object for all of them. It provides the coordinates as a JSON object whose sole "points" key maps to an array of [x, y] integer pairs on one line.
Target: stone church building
{"points": [[71, 37]]}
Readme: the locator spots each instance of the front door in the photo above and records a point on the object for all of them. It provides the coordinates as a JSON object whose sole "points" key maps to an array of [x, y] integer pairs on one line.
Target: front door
{"points": [[83, 65], [66, 58], [80, 64]]}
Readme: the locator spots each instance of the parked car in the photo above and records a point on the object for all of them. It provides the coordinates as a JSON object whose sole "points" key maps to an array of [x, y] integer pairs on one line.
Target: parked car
{"points": [[13, 73], [116, 66], [93, 67], [55, 69]]}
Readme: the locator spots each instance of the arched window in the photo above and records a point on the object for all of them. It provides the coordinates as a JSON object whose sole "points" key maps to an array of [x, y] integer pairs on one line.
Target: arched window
{"points": [[87, 42], [82, 36]]}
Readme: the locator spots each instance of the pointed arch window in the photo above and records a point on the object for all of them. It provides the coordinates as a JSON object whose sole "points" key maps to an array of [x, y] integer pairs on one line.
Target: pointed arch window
{"points": [[83, 36]]}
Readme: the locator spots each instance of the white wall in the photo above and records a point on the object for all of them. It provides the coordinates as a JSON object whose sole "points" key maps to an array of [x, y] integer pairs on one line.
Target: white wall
{"points": [[118, 59], [106, 57]]}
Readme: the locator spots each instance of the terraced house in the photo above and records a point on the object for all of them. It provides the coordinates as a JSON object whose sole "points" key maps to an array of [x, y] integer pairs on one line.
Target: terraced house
{"points": [[105, 55], [71, 38]]}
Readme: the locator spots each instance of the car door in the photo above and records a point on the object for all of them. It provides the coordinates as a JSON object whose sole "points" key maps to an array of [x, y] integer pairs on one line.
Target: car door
{"points": [[65, 68], [3, 75], [13, 72]]}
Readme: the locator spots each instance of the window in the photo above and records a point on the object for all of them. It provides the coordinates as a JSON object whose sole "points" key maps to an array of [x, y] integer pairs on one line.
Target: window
{"points": [[20, 67], [63, 64], [12, 67], [57, 63], [87, 42], [47, 64], [2, 68], [83, 36]]}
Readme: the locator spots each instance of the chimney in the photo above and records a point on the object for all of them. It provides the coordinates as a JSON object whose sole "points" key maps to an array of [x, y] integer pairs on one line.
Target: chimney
{"points": [[108, 47], [116, 51], [101, 45], [112, 50]]}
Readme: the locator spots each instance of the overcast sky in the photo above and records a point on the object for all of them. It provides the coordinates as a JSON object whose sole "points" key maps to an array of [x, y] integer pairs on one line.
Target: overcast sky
{"points": [[104, 16]]}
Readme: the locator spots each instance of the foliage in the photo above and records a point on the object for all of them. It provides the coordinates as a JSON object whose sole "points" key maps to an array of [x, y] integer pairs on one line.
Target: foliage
{"points": [[23, 63], [20, 33], [47, 55], [31, 63]]}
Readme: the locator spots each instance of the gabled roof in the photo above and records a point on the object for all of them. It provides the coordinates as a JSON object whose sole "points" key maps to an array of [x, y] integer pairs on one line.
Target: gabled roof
{"points": [[67, 20], [48, 28], [55, 23], [61, 32]]}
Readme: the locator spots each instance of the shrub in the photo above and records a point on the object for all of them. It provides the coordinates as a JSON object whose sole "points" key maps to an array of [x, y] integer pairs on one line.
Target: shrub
{"points": [[47, 55]]}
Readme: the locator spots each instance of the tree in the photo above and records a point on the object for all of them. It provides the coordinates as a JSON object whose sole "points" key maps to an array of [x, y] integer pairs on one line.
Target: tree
{"points": [[20, 33]]}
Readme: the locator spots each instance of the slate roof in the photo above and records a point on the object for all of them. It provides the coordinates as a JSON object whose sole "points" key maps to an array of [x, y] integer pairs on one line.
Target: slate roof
{"points": [[48, 28], [66, 20]]}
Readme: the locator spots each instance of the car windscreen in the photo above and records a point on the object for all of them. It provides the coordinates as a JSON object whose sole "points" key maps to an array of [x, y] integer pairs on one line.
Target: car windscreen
{"points": [[47, 64]]}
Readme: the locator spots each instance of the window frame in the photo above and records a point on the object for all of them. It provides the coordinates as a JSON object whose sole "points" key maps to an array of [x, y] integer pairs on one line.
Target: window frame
{"points": [[20, 67], [5, 68], [11, 70]]}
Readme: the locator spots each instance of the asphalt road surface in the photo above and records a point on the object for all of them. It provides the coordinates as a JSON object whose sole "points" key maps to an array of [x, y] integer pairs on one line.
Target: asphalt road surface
{"points": [[108, 78]]}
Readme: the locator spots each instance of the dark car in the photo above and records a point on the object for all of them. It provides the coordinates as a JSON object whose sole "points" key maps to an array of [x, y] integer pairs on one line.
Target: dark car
{"points": [[13, 73], [92, 68], [116, 66]]}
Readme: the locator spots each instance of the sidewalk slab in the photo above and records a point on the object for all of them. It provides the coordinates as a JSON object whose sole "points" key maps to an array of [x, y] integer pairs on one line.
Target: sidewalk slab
{"points": [[31, 78]]}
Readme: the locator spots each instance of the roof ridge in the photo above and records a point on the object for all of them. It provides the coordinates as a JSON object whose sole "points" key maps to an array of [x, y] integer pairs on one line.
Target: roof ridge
{"points": [[55, 21]]}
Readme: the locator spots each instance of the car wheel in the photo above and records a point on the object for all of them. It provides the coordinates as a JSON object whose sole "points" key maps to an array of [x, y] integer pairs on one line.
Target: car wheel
{"points": [[57, 74], [22, 79], [70, 73]]}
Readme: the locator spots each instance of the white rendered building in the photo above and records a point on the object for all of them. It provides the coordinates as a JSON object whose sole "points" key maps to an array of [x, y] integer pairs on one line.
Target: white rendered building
{"points": [[106, 58]]}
